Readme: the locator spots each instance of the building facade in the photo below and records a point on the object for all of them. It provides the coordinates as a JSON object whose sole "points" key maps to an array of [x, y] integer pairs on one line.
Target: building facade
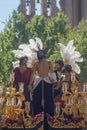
{"points": [[29, 7], [76, 10]]}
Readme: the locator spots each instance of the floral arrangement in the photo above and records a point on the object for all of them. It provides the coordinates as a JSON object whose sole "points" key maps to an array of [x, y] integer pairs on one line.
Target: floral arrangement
{"points": [[11, 123], [61, 122], [29, 122], [32, 122]]}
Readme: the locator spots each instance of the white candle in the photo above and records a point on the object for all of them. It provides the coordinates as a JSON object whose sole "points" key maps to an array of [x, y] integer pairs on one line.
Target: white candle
{"points": [[13, 101], [8, 101], [57, 109], [19, 102], [65, 87], [1, 103], [69, 100], [73, 76], [84, 87]]}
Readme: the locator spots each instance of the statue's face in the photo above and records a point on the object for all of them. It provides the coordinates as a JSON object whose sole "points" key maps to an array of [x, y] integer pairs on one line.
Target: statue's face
{"points": [[40, 55], [24, 62], [58, 66]]}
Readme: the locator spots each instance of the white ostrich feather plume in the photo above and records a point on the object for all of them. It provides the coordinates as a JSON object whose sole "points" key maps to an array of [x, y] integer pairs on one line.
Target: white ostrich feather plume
{"points": [[70, 56], [18, 53], [36, 44], [15, 64], [29, 50]]}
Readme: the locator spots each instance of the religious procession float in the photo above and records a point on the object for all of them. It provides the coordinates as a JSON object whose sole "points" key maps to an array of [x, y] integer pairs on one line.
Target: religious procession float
{"points": [[70, 112]]}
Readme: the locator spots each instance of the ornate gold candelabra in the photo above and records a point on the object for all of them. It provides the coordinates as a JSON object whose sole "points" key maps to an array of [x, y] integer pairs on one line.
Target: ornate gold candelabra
{"points": [[73, 114], [11, 112]]}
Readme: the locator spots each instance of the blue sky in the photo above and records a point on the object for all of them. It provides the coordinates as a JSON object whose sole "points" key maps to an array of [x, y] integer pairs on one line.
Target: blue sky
{"points": [[6, 8]]}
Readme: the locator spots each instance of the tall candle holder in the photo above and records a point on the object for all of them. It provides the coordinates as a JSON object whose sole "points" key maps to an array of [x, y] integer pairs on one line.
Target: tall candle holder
{"points": [[64, 86], [74, 110], [11, 111], [27, 108]]}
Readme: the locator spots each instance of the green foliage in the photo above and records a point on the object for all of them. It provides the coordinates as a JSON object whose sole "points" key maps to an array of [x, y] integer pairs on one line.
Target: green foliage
{"points": [[36, 27], [57, 30], [5, 57], [10, 39]]}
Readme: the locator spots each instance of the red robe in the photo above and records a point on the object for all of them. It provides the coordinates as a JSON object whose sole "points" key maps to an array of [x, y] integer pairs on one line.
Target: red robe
{"points": [[22, 77]]}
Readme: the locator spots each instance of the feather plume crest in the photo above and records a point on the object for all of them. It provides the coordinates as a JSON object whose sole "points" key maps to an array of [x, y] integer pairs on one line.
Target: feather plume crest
{"points": [[28, 50], [70, 55]]}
